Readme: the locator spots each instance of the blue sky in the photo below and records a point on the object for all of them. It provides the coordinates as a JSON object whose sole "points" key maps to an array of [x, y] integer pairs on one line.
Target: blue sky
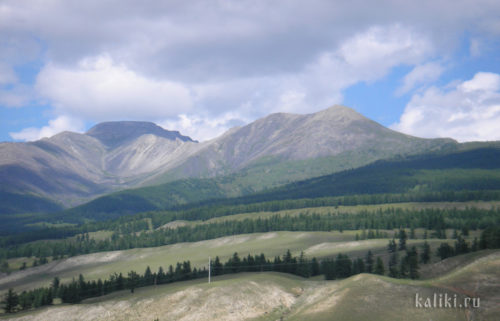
{"points": [[429, 69]]}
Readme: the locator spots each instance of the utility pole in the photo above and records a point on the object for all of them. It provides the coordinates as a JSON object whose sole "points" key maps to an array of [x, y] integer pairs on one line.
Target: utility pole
{"points": [[209, 269]]}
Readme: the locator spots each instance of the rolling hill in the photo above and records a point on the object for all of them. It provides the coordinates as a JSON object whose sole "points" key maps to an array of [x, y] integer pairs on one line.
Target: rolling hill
{"points": [[275, 296], [473, 169]]}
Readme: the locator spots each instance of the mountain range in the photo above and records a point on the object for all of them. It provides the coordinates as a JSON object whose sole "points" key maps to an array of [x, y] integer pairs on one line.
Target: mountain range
{"points": [[71, 168]]}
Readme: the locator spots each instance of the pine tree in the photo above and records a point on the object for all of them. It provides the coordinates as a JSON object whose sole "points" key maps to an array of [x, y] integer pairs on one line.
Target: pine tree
{"points": [[343, 266], [328, 269], [11, 301], [132, 280], [315, 269], [445, 250], [217, 267], [55, 283], [404, 268], [287, 262], [186, 270], [160, 276], [409, 264], [426, 253], [148, 276], [25, 300], [277, 264], [120, 282], [358, 266], [393, 265], [304, 268], [379, 266], [402, 239], [369, 262], [170, 274], [392, 247], [461, 246], [235, 263], [100, 287]]}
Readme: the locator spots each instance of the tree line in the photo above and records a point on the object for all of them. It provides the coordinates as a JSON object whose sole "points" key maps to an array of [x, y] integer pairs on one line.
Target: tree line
{"points": [[388, 219], [79, 289], [223, 207]]}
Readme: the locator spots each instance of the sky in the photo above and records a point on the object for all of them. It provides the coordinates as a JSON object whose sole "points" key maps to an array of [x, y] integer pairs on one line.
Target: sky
{"points": [[425, 68]]}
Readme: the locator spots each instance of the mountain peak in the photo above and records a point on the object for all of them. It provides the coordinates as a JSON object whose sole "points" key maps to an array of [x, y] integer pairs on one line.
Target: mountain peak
{"points": [[115, 133], [340, 111]]}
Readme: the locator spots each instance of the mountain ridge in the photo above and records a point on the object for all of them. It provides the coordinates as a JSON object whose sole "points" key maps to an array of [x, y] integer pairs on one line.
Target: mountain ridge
{"points": [[72, 168], [117, 132]]}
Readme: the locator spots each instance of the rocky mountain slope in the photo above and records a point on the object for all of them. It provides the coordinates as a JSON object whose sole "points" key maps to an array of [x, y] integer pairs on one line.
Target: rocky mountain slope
{"points": [[278, 138], [72, 167], [277, 149]]}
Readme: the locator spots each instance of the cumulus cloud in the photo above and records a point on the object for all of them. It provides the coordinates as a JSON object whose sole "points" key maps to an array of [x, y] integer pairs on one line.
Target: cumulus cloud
{"points": [[99, 89], [171, 61], [468, 111], [196, 126], [55, 126], [321, 81], [420, 75]]}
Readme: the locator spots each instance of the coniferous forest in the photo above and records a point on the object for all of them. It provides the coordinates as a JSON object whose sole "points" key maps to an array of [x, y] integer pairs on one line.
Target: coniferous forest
{"points": [[338, 267]]}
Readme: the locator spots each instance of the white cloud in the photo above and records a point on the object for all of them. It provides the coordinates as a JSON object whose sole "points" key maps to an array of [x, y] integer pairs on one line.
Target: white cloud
{"points": [[55, 126], [391, 45], [128, 60], [482, 81], [365, 57], [203, 128], [98, 89], [467, 112], [420, 75]]}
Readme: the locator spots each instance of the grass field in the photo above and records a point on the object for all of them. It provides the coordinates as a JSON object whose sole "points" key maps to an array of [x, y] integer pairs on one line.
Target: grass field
{"points": [[101, 265], [275, 296], [270, 296], [325, 210]]}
